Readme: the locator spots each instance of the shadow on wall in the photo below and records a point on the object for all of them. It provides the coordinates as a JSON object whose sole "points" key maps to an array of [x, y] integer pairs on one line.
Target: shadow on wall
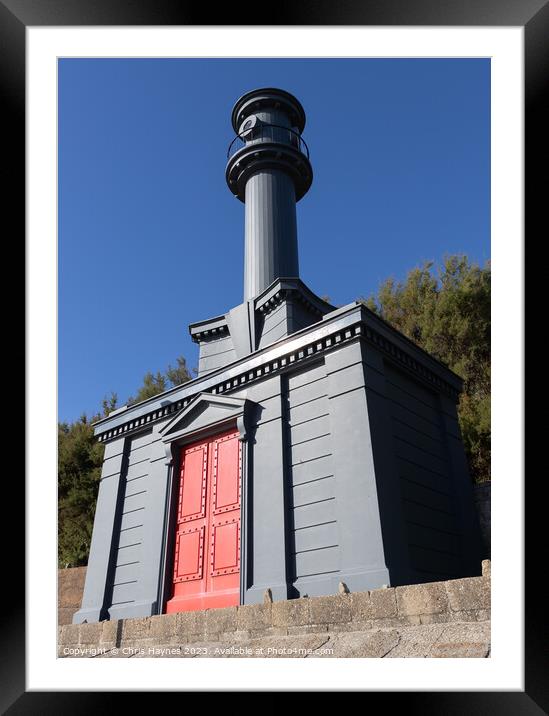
{"points": [[483, 495]]}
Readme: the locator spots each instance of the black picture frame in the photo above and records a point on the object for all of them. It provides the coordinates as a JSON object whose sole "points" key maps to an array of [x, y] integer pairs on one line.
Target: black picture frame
{"points": [[533, 16]]}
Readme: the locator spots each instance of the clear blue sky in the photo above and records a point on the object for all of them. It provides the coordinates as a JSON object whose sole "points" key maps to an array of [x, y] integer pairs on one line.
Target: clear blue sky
{"points": [[151, 239]]}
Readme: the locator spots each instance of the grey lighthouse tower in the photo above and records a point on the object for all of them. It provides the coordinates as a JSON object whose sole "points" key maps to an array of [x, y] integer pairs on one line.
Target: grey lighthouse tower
{"points": [[270, 173], [317, 445]]}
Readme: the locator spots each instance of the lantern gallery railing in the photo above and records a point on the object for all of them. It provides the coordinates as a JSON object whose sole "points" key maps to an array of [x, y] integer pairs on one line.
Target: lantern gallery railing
{"points": [[267, 134]]}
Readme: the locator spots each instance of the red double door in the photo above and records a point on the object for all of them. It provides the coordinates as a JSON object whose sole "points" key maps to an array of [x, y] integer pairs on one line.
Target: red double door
{"points": [[206, 566]]}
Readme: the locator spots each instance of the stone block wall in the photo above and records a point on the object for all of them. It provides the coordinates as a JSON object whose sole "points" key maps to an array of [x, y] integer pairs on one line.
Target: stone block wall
{"points": [[70, 587], [459, 600]]}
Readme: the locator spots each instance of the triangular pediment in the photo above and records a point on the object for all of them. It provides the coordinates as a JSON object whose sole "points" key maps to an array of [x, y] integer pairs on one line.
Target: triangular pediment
{"points": [[204, 410]]}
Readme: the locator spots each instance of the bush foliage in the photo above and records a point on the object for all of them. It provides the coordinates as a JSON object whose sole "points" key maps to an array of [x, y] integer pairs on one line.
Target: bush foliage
{"points": [[79, 461], [446, 311]]}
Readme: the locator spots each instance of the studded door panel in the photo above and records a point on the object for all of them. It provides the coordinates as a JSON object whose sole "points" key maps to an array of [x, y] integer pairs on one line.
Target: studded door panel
{"points": [[206, 560]]}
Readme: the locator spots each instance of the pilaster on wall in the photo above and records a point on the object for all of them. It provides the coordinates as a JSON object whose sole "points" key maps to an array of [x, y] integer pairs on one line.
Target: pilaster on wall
{"points": [[265, 499], [99, 562], [151, 562], [362, 564]]}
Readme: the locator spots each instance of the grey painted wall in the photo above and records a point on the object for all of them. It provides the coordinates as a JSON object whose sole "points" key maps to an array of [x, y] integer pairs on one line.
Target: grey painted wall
{"points": [[274, 325], [105, 536], [266, 536], [314, 548], [423, 467], [138, 551], [287, 318], [125, 559], [128, 546], [215, 352]]}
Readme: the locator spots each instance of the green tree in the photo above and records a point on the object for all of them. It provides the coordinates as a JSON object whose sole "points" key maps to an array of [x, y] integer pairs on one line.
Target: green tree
{"points": [[446, 311], [152, 385], [155, 384], [180, 374], [79, 460]]}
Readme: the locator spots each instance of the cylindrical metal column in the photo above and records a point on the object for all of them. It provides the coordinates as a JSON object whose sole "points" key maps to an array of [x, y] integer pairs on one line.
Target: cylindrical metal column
{"points": [[269, 170], [270, 249]]}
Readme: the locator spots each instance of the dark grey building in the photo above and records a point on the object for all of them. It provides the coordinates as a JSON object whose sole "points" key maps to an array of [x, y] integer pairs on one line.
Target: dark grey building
{"points": [[317, 445]]}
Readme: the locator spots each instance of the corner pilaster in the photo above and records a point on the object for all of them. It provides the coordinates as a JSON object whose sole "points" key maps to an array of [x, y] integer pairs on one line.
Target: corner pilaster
{"points": [[266, 555], [103, 536], [362, 563]]}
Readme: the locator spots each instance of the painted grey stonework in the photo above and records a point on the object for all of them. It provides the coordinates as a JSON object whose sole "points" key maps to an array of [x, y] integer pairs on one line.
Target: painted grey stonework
{"points": [[353, 471]]}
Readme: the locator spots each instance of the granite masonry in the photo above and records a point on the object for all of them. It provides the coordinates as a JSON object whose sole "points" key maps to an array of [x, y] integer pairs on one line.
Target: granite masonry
{"points": [[437, 619]]}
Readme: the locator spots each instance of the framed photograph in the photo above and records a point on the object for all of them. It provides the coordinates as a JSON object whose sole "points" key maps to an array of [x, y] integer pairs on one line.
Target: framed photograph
{"points": [[88, 80]]}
